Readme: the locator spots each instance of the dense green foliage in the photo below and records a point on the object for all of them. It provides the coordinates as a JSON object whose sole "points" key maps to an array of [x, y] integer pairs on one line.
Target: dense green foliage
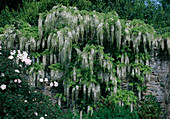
{"points": [[19, 101], [149, 108], [149, 11], [107, 109]]}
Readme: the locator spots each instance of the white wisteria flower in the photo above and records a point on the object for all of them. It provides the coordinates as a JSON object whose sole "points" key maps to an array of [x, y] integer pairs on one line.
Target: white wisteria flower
{"points": [[42, 118], [17, 71], [3, 86], [11, 57], [70, 34], [25, 100], [77, 87], [45, 114], [41, 79], [0, 53]]}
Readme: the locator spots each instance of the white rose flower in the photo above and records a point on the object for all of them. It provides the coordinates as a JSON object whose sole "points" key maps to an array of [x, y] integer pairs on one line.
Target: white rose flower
{"points": [[41, 80], [15, 80], [17, 71], [28, 61], [46, 80], [3, 86], [51, 84], [25, 53], [11, 57], [36, 113], [19, 56], [13, 52], [19, 52], [55, 84], [24, 56], [19, 81], [2, 74]]}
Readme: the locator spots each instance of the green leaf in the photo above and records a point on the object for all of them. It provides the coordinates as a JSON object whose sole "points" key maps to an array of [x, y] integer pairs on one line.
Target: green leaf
{"points": [[64, 98]]}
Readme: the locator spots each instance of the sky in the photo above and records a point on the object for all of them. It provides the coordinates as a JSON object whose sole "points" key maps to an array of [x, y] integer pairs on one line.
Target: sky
{"points": [[156, 1]]}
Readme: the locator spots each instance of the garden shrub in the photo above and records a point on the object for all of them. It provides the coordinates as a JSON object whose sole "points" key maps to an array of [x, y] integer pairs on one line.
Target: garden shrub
{"points": [[7, 17], [17, 99], [149, 108], [108, 109]]}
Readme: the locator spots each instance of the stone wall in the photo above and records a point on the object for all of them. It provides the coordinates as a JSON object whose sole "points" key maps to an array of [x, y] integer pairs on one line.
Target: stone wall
{"points": [[159, 82]]}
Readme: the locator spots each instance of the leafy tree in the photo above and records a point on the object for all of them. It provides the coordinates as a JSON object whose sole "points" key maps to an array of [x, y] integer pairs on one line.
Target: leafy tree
{"points": [[147, 10]]}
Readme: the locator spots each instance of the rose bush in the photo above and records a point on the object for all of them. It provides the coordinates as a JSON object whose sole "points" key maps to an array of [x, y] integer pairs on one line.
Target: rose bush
{"points": [[17, 99]]}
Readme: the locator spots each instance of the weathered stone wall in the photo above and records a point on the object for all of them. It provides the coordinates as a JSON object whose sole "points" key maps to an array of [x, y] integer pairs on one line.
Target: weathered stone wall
{"points": [[159, 82]]}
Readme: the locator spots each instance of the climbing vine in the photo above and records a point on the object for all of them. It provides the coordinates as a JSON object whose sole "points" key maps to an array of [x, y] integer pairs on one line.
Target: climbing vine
{"points": [[90, 54]]}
